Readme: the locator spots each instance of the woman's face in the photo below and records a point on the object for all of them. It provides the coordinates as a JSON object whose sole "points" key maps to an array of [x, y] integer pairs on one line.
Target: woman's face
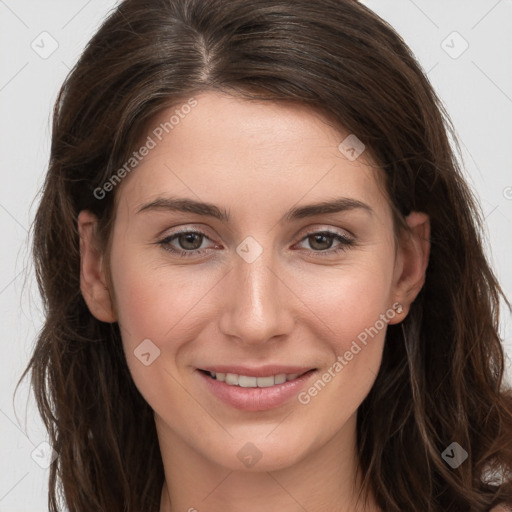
{"points": [[269, 282]]}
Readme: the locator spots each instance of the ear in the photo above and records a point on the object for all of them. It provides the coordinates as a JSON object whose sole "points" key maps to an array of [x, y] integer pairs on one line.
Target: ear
{"points": [[93, 282], [411, 263]]}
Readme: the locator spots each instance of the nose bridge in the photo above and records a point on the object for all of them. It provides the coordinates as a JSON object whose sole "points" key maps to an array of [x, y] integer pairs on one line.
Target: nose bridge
{"points": [[254, 310]]}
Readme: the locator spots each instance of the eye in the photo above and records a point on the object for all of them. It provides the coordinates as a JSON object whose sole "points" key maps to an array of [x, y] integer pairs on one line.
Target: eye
{"points": [[322, 241], [189, 243]]}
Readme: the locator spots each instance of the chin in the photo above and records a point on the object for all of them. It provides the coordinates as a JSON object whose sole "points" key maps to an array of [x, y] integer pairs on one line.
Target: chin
{"points": [[259, 453]]}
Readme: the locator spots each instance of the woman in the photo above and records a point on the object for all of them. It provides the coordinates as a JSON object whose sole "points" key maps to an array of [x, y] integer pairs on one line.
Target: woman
{"points": [[264, 281]]}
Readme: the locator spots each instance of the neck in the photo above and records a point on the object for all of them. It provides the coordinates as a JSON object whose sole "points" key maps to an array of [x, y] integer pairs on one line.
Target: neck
{"points": [[324, 480]]}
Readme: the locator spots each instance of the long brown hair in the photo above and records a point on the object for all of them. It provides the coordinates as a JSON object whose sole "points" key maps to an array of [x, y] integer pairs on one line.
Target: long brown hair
{"points": [[441, 378]]}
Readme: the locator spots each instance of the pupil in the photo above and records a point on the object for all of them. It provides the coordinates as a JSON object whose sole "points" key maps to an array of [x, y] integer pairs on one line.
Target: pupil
{"points": [[189, 239], [318, 239]]}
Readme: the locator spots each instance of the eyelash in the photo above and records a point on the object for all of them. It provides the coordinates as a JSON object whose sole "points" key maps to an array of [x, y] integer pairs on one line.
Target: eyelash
{"points": [[345, 243]]}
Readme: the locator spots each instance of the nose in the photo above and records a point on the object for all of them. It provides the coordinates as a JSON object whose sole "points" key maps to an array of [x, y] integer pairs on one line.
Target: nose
{"points": [[256, 307]]}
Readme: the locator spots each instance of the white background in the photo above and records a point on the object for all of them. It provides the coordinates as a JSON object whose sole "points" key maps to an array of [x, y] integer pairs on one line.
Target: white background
{"points": [[476, 88]]}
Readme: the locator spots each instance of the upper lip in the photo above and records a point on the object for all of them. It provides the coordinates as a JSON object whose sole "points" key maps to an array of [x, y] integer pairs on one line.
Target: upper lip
{"points": [[260, 371]]}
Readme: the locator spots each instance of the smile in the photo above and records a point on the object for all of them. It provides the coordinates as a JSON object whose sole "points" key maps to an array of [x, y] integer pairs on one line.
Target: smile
{"points": [[263, 389], [246, 381]]}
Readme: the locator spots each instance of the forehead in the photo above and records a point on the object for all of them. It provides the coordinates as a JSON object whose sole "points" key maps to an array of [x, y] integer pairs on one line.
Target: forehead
{"points": [[230, 150]]}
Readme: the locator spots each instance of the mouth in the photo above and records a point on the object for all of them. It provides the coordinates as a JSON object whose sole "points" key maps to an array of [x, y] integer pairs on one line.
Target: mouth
{"points": [[251, 381], [255, 389]]}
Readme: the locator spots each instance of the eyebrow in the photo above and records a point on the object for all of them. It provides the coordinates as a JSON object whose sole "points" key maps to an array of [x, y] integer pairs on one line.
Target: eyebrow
{"points": [[210, 210]]}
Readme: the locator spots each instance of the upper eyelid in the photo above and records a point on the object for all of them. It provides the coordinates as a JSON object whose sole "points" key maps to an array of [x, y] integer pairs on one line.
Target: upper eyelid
{"points": [[303, 232]]}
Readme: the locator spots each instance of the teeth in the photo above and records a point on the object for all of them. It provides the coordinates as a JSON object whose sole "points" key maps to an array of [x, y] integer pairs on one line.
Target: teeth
{"points": [[265, 382], [279, 379], [245, 381], [232, 379]]}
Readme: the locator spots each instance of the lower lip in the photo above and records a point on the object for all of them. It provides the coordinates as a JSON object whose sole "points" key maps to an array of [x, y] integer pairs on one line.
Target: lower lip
{"points": [[256, 399]]}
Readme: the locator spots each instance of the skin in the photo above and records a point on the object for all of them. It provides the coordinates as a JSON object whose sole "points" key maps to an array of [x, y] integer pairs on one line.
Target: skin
{"points": [[291, 306]]}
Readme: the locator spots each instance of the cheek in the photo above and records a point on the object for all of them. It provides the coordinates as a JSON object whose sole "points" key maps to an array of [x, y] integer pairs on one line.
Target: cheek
{"points": [[351, 300], [153, 300], [353, 317], [152, 305], [352, 309]]}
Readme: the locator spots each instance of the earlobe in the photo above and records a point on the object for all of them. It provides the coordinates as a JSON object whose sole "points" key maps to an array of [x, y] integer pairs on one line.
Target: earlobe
{"points": [[93, 281], [412, 262]]}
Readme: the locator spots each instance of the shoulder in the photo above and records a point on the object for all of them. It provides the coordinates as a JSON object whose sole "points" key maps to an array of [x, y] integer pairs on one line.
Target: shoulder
{"points": [[501, 508]]}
